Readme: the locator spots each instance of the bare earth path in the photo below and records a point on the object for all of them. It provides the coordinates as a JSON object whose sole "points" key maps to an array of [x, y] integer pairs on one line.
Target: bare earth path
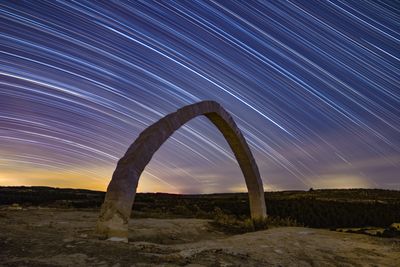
{"points": [[54, 237]]}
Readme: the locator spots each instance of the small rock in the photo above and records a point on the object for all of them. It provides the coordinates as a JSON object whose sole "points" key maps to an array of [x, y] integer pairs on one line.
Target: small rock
{"points": [[395, 226], [102, 263], [118, 239], [15, 206]]}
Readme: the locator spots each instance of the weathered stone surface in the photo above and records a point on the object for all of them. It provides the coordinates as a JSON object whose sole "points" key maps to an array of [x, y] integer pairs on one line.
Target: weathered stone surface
{"points": [[117, 206]]}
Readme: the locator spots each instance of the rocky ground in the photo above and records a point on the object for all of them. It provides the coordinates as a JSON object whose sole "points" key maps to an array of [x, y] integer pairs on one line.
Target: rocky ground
{"points": [[54, 237]]}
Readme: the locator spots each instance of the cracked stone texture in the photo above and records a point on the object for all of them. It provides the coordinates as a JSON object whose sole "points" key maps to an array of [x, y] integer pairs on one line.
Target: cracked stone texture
{"points": [[116, 209]]}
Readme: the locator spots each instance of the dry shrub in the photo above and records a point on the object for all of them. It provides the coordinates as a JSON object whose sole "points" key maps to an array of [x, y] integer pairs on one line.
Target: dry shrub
{"points": [[229, 223]]}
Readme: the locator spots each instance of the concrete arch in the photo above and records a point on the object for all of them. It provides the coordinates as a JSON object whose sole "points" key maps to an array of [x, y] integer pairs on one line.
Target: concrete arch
{"points": [[117, 206]]}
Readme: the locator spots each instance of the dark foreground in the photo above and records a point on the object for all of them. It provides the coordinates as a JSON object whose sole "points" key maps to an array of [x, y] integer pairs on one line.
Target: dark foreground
{"points": [[55, 237]]}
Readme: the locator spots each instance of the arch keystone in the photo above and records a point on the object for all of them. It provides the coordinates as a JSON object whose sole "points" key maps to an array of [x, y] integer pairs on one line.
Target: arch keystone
{"points": [[116, 209]]}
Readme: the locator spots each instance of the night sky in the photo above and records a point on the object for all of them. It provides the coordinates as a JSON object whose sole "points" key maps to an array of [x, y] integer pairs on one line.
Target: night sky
{"points": [[313, 85]]}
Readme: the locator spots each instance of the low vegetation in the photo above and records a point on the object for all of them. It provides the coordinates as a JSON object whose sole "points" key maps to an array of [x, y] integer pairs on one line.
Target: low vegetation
{"points": [[229, 223], [313, 208]]}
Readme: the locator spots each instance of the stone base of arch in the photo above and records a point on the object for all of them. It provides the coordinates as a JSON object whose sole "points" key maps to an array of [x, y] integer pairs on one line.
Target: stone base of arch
{"points": [[112, 224]]}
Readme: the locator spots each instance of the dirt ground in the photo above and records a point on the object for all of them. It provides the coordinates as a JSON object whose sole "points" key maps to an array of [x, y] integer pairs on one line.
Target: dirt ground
{"points": [[54, 237]]}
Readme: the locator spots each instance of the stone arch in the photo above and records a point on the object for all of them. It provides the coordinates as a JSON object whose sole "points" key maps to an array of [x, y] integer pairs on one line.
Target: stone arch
{"points": [[117, 206]]}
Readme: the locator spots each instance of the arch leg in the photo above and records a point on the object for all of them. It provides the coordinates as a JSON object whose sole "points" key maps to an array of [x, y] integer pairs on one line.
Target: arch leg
{"points": [[116, 210]]}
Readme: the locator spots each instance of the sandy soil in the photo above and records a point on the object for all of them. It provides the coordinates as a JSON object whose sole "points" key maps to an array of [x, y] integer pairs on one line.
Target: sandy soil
{"points": [[50, 237]]}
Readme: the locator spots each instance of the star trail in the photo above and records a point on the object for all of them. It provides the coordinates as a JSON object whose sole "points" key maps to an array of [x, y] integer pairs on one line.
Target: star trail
{"points": [[313, 85]]}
